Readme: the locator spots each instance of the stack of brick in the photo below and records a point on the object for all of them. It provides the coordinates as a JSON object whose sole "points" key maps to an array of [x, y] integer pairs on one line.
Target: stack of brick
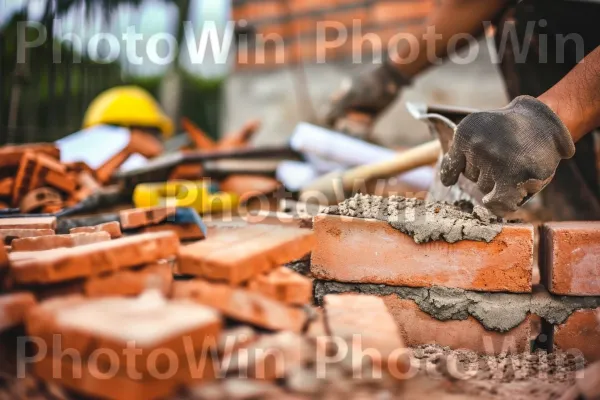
{"points": [[88, 261], [239, 272], [570, 266], [33, 179], [370, 256]]}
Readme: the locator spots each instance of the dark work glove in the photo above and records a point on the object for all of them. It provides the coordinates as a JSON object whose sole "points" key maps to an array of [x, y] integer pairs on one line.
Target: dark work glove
{"points": [[369, 93], [511, 153]]}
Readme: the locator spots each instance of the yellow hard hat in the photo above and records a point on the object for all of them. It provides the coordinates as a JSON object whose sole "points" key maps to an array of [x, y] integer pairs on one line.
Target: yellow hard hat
{"points": [[127, 106]]}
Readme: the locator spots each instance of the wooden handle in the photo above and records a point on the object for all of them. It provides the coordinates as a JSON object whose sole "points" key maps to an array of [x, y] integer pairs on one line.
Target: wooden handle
{"points": [[333, 185], [424, 154]]}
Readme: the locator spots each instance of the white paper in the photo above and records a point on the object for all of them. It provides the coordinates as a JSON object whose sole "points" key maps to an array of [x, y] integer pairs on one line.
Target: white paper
{"points": [[294, 175], [134, 161], [94, 145]]}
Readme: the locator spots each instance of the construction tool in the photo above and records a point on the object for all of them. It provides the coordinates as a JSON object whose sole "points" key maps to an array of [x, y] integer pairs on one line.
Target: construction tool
{"points": [[195, 194], [333, 187]]}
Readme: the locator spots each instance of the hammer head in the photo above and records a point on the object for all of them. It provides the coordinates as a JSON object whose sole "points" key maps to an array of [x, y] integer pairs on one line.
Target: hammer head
{"points": [[442, 122]]}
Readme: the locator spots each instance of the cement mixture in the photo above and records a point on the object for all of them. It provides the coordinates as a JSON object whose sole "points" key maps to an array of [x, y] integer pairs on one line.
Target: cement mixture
{"points": [[518, 376], [423, 221], [495, 311]]}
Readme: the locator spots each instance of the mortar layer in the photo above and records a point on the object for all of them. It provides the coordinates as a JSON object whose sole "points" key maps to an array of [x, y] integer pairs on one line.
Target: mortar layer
{"points": [[423, 221], [499, 312]]}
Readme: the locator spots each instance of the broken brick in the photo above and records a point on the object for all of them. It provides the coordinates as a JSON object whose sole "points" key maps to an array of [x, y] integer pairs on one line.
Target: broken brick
{"points": [[13, 308], [237, 255], [131, 282], [580, 332], [417, 328], [37, 199], [569, 258], [183, 231], [285, 285], [372, 251], [56, 241], [147, 323], [139, 217], [242, 305], [93, 259], [113, 228], [364, 321], [235, 338], [28, 223]]}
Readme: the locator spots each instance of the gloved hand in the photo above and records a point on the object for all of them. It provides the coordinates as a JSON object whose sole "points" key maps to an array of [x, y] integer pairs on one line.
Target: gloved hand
{"points": [[511, 153], [369, 93]]}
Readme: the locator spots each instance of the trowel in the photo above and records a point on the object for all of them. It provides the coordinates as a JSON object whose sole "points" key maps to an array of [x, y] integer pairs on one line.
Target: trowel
{"points": [[442, 122]]}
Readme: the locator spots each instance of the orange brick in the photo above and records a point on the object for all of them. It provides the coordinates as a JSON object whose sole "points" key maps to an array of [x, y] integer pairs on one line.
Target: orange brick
{"points": [[371, 251], [13, 308], [139, 217], [82, 261], [586, 386], [395, 11], [580, 332], [11, 155], [363, 320], [28, 223], [285, 285], [148, 323], [569, 258], [237, 255], [6, 186], [242, 305], [270, 357], [113, 228], [417, 328], [183, 231], [56, 241], [247, 186], [131, 282]]}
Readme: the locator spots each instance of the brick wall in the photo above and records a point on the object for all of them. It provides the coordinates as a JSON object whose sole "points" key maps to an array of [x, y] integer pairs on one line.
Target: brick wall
{"points": [[295, 25]]}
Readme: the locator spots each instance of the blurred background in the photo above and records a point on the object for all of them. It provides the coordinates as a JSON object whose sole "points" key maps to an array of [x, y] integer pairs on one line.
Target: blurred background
{"points": [[44, 100]]}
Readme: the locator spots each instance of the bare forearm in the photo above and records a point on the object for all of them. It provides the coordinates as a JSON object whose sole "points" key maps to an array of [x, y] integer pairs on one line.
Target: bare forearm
{"points": [[450, 17], [576, 98]]}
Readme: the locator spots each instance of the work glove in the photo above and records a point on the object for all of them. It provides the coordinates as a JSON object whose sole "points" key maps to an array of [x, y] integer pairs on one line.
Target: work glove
{"points": [[511, 153], [369, 93]]}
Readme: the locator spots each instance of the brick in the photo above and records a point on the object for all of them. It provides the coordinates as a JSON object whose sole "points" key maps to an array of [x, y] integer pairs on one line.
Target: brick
{"points": [[92, 379], [13, 308], [278, 218], [247, 186], [148, 323], [237, 255], [28, 223], [570, 258], [580, 332], [371, 251], [6, 186], [417, 328], [113, 228], [82, 261], [11, 155], [183, 231], [394, 11], [242, 305], [284, 285], [57, 241], [131, 282], [353, 317], [139, 217], [270, 357]]}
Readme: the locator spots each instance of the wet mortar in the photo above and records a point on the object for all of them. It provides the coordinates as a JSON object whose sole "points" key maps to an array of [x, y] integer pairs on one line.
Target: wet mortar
{"points": [[423, 221]]}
